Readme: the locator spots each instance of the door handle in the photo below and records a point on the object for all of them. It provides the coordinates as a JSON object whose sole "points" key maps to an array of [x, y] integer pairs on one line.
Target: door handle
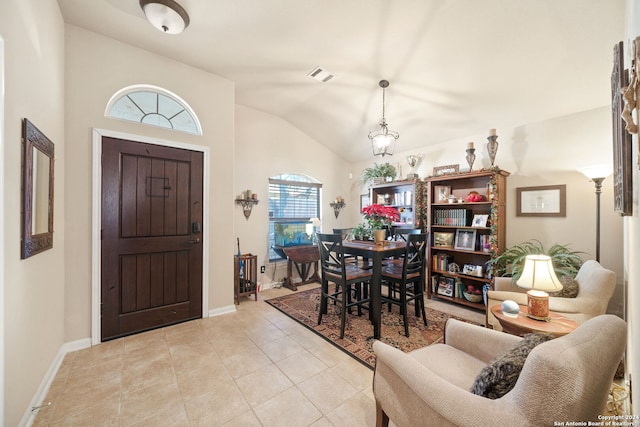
{"points": [[194, 241]]}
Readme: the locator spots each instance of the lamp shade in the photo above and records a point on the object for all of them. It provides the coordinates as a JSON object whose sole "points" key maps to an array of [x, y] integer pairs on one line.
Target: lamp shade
{"points": [[166, 15], [596, 171], [538, 274]]}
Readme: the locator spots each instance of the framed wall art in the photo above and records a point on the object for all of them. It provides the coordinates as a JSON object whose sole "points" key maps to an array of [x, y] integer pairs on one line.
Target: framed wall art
{"points": [[444, 170], [622, 178], [547, 200]]}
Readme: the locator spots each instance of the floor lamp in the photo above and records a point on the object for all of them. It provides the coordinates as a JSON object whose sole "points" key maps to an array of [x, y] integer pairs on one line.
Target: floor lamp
{"points": [[597, 174]]}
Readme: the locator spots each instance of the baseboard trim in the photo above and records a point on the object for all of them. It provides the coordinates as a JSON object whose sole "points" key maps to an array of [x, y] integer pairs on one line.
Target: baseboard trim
{"points": [[38, 399], [222, 310]]}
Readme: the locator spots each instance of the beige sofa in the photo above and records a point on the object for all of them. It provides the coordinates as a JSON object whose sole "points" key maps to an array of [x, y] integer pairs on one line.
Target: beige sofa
{"points": [[565, 379], [596, 285]]}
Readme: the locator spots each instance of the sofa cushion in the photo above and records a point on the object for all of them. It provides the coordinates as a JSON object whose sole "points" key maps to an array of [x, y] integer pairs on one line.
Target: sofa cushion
{"points": [[500, 376]]}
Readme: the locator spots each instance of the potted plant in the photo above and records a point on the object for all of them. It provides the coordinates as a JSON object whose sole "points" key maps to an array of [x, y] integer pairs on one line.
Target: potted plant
{"points": [[511, 262], [384, 171], [361, 232], [379, 218]]}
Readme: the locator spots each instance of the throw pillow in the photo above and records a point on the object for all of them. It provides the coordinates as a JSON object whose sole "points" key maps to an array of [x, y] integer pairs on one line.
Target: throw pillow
{"points": [[500, 376], [569, 288]]}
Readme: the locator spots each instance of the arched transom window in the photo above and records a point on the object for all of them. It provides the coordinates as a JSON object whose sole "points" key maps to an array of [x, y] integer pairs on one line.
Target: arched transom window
{"points": [[154, 106]]}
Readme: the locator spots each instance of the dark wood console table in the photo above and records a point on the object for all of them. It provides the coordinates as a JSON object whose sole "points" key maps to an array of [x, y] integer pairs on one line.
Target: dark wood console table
{"points": [[303, 258]]}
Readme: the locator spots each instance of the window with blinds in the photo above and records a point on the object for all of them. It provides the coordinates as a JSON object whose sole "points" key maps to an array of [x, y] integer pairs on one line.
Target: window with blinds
{"points": [[294, 201]]}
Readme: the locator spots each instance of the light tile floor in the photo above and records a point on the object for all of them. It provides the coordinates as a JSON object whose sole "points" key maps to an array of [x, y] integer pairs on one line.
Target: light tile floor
{"points": [[254, 367]]}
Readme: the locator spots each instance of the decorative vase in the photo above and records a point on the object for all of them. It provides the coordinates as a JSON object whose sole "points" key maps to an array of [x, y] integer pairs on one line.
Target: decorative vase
{"points": [[492, 147], [471, 157], [379, 236]]}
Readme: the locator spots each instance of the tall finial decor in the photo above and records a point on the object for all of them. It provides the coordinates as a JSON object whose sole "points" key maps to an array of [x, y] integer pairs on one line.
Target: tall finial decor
{"points": [[492, 146], [471, 156]]}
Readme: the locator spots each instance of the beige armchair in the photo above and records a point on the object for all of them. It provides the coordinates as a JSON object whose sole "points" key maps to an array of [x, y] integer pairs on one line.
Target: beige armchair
{"points": [[595, 283], [567, 378]]}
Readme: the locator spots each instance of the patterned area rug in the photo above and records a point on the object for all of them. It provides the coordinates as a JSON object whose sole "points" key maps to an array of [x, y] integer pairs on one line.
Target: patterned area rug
{"points": [[303, 306]]}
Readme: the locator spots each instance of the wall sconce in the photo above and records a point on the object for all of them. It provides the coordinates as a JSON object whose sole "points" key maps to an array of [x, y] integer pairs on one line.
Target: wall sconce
{"points": [[247, 200], [337, 205]]}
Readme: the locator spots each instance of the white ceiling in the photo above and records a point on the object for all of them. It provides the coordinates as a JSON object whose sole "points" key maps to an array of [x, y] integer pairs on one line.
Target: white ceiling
{"points": [[456, 67]]}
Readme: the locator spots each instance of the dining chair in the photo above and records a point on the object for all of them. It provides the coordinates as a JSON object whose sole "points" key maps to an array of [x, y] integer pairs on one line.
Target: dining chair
{"points": [[352, 282], [405, 280], [400, 233]]}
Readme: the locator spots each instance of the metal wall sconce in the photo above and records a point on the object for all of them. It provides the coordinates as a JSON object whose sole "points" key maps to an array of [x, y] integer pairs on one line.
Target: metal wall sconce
{"points": [[338, 205], [247, 200]]}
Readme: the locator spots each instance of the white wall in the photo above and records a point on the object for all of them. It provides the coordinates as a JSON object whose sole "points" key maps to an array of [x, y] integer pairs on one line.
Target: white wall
{"points": [[97, 67], [632, 233], [33, 300], [546, 153], [268, 146]]}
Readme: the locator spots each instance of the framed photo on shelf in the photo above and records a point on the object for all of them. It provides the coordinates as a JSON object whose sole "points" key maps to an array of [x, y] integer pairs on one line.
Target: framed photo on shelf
{"points": [[480, 220], [472, 270], [446, 286], [441, 193], [447, 169], [443, 239], [465, 240], [548, 200]]}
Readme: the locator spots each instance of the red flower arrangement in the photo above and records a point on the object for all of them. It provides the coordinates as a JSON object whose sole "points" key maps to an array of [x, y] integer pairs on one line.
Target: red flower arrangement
{"points": [[379, 216]]}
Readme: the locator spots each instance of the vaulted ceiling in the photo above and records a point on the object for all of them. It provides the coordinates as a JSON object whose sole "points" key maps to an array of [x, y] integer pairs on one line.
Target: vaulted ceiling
{"points": [[456, 67]]}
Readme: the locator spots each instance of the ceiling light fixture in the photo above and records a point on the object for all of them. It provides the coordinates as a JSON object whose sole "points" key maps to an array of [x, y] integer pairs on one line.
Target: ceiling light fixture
{"points": [[166, 15], [383, 140]]}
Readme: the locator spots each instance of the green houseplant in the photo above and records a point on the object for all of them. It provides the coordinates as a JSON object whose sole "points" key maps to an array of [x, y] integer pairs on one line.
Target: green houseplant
{"points": [[510, 263], [384, 170]]}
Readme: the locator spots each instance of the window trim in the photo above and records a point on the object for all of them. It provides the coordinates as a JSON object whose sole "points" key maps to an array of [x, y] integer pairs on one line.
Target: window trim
{"points": [[158, 91]]}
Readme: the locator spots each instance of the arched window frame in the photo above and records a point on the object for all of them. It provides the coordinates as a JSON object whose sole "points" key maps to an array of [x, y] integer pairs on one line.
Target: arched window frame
{"points": [[131, 90]]}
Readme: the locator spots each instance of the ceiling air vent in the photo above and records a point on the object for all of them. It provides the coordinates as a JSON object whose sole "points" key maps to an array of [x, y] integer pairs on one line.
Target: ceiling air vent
{"points": [[320, 75]]}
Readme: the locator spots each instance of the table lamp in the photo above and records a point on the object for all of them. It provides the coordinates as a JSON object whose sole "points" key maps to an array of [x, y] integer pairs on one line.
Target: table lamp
{"points": [[538, 276]]}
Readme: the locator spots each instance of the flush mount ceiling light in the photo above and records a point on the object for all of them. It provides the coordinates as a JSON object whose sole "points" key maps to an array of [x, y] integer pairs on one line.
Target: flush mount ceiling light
{"points": [[383, 140], [166, 15]]}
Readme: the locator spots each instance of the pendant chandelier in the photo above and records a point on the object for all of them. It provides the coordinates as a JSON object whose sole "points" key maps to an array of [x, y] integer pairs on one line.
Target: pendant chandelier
{"points": [[383, 140]]}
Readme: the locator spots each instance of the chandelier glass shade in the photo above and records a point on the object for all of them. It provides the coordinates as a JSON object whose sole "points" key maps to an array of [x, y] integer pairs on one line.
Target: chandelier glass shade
{"points": [[383, 140]]}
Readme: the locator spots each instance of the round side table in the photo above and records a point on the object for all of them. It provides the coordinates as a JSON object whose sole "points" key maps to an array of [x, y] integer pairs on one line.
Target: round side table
{"points": [[523, 324]]}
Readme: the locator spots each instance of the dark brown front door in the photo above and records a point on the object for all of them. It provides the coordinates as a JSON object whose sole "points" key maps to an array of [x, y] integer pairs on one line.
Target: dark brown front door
{"points": [[151, 236]]}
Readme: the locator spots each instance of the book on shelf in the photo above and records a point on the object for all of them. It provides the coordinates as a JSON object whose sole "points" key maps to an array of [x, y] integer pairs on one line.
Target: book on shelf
{"points": [[441, 261], [453, 217]]}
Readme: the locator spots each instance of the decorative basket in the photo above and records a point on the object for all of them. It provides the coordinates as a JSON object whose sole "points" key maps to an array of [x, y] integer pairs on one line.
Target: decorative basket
{"points": [[472, 297]]}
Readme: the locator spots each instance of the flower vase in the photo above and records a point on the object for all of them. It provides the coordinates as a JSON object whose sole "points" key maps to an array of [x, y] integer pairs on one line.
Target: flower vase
{"points": [[379, 236]]}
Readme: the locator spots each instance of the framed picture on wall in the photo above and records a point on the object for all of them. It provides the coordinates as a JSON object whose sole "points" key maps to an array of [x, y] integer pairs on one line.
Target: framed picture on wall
{"points": [[547, 200]]}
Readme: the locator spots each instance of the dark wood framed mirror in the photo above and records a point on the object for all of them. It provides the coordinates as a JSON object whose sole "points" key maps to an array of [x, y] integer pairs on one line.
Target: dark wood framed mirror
{"points": [[37, 191]]}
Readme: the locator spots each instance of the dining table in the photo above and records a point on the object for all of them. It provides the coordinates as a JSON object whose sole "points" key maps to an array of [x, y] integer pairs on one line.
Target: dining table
{"points": [[376, 253]]}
